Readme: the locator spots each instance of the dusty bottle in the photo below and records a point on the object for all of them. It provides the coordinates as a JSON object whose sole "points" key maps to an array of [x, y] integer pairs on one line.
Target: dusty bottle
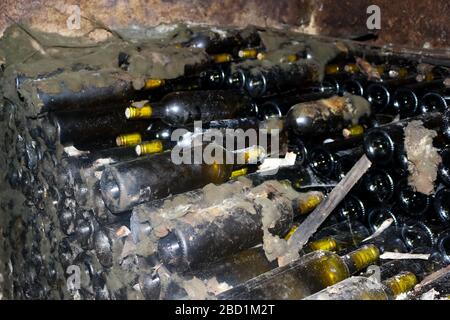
{"points": [[385, 143], [156, 176], [279, 78], [204, 237], [363, 288], [183, 108], [281, 105], [250, 263], [327, 116], [305, 276], [213, 43], [89, 130]]}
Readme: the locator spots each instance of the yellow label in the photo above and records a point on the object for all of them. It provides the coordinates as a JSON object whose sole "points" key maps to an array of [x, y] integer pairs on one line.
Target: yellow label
{"points": [[290, 233], [154, 83], [292, 58], [222, 57], [308, 205], [332, 69], [239, 173], [351, 68], [353, 131], [248, 53], [145, 112], [402, 73], [401, 283], [150, 147], [261, 56], [429, 76], [328, 244], [364, 256], [380, 69], [127, 140]]}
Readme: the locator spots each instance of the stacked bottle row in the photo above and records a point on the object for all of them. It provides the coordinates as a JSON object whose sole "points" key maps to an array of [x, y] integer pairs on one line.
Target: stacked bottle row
{"points": [[244, 84]]}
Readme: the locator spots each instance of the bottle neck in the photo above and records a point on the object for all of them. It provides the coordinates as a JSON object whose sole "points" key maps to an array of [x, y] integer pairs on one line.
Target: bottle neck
{"points": [[361, 258], [400, 283]]}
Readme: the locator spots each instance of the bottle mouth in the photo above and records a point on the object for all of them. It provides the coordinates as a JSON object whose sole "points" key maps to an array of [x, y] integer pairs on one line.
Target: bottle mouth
{"points": [[298, 146], [353, 87], [330, 84], [214, 78], [378, 96], [432, 102], [444, 167], [110, 189], [170, 250], [237, 80], [382, 187], [256, 84], [343, 166], [377, 216], [269, 110], [417, 234], [443, 245], [411, 202], [442, 205], [322, 162], [150, 285], [378, 146], [405, 102], [446, 123], [351, 208]]}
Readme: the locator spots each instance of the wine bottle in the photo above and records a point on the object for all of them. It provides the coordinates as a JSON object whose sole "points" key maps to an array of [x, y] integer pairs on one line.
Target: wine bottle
{"points": [[356, 86], [435, 101], [303, 277], [126, 184], [377, 186], [280, 105], [377, 216], [280, 78], [363, 288], [385, 143], [441, 205], [412, 203], [417, 234], [213, 43], [250, 263], [216, 232], [322, 162], [443, 245], [183, 108], [350, 209], [88, 130], [326, 116]]}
